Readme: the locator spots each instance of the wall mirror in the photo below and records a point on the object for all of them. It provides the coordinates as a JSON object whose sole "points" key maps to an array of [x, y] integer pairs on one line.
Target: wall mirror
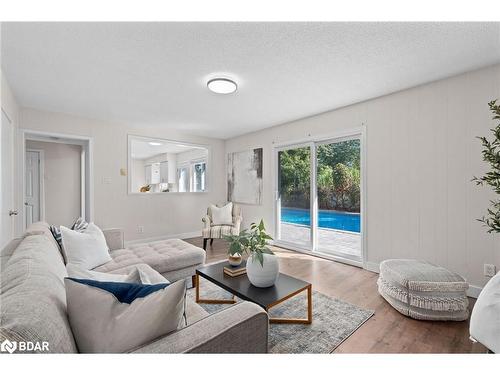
{"points": [[160, 166]]}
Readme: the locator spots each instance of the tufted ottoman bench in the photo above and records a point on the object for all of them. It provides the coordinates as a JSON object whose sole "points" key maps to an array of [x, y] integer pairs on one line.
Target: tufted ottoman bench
{"points": [[422, 290], [174, 259]]}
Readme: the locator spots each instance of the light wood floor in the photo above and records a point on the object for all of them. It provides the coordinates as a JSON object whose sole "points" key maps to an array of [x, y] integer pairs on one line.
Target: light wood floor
{"points": [[387, 331]]}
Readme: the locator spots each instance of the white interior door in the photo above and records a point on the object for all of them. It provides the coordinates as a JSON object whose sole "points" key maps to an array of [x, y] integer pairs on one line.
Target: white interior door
{"points": [[32, 195], [7, 211]]}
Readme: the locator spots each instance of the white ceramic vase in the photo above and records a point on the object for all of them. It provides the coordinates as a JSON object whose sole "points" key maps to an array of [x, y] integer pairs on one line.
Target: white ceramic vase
{"points": [[263, 276]]}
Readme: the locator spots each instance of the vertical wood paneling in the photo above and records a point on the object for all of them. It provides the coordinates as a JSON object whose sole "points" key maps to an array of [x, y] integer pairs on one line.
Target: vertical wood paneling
{"points": [[379, 177], [398, 180], [421, 155], [478, 119], [441, 174], [457, 182]]}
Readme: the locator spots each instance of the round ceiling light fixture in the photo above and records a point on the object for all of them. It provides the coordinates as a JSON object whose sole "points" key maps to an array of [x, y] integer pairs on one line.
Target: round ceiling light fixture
{"points": [[222, 85]]}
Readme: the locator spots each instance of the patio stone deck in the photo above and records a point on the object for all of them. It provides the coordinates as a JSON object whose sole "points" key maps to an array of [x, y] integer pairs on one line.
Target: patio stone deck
{"points": [[329, 240]]}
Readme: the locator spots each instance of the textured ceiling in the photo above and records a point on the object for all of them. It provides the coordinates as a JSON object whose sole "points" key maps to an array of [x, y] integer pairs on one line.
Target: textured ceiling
{"points": [[156, 73]]}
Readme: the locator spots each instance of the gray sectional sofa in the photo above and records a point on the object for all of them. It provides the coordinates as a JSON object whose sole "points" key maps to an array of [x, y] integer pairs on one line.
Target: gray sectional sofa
{"points": [[33, 300]]}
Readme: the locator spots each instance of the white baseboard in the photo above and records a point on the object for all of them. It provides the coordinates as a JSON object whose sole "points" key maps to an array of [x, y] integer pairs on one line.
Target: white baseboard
{"points": [[473, 290], [372, 267], [181, 236]]}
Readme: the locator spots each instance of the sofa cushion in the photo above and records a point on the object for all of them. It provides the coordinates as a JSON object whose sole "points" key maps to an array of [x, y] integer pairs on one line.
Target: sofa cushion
{"points": [[111, 317], [8, 250], [87, 249], [222, 215], [33, 298], [79, 225], [133, 276], [41, 227], [194, 311], [163, 256]]}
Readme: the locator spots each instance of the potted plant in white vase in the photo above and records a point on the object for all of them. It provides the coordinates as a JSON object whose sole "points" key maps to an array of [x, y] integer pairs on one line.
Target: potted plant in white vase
{"points": [[262, 265]]}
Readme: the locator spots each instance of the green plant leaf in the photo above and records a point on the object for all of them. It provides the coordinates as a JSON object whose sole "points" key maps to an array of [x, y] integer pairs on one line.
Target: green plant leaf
{"points": [[267, 250], [492, 177]]}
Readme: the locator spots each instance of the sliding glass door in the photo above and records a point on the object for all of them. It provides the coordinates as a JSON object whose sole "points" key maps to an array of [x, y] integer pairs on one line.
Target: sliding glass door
{"points": [[338, 180], [294, 195], [318, 198]]}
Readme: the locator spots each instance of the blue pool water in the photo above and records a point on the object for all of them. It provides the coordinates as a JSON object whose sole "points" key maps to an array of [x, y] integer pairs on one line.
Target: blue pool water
{"points": [[327, 219]]}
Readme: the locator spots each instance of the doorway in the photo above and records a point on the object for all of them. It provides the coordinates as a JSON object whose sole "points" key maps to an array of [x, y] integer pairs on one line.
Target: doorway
{"points": [[34, 193], [319, 200], [56, 178]]}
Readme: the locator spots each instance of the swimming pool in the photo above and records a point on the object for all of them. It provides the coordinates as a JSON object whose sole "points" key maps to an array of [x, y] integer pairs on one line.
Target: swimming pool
{"points": [[327, 219]]}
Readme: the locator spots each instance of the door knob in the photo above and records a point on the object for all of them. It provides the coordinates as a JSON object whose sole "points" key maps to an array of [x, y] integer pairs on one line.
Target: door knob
{"points": [[13, 212]]}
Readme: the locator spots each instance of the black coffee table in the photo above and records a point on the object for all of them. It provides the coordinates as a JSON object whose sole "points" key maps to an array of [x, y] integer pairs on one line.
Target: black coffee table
{"points": [[284, 288]]}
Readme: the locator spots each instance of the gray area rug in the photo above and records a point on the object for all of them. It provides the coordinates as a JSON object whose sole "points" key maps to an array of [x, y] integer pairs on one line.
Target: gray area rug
{"points": [[333, 320]]}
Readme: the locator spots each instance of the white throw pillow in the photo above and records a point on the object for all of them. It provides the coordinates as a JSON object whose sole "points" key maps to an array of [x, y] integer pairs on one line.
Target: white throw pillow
{"points": [[110, 317], [135, 276], [87, 249], [222, 215]]}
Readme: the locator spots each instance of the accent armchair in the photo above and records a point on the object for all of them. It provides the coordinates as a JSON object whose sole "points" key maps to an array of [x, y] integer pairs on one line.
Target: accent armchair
{"points": [[211, 231]]}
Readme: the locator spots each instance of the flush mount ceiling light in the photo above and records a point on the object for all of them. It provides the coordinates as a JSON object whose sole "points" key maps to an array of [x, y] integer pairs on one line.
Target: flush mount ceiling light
{"points": [[222, 85], [155, 143]]}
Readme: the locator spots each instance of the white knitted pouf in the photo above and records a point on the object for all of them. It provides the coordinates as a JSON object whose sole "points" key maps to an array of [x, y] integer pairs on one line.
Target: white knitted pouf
{"points": [[422, 290]]}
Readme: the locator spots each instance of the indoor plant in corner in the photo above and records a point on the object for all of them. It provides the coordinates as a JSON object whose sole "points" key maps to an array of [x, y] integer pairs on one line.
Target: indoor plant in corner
{"points": [[262, 265], [484, 325], [491, 155]]}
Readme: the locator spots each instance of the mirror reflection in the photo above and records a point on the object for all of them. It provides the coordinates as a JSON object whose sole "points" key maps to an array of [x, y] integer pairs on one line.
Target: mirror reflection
{"points": [[162, 166]]}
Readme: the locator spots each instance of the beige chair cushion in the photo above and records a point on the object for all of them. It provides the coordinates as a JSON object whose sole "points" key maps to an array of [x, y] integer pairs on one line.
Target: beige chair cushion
{"points": [[222, 215]]}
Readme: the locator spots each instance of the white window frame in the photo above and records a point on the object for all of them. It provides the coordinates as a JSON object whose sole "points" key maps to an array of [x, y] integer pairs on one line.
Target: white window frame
{"points": [[312, 141], [192, 174], [184, 166]]}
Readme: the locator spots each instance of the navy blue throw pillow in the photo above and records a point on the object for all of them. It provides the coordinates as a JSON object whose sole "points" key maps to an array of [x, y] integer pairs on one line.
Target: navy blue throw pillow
{"points": [[124, 292]]}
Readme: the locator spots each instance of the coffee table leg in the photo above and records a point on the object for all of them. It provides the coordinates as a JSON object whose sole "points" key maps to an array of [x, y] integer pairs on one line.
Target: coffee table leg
{"points": [[210, 301], [197, 282], [307, 320], [309, 305]]}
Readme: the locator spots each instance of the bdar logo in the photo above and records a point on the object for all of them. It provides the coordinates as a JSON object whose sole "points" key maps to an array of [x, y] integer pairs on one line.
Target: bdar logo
{"points": [[8, 346]]}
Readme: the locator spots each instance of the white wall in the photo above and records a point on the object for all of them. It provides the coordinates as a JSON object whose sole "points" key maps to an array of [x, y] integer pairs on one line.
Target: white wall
{"points": [[159, 214], [421, 155], [62, 181]]}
